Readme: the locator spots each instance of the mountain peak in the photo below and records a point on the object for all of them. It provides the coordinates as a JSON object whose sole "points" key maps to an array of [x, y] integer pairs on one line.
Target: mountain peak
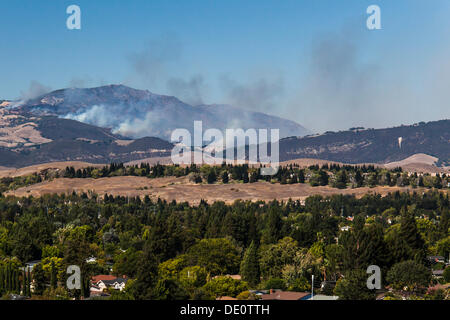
{"points": [[138, 113]]}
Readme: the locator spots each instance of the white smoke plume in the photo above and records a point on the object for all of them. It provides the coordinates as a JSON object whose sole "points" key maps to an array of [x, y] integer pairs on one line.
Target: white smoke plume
{"points": [[35, 90]]}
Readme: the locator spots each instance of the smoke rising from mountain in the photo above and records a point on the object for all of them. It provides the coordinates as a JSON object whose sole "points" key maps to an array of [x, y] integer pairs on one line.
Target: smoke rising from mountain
{"points": [[96, 115], [35, 90], [151, 64], [136, 124], [339, 88], [155, 66], [190, 90], [344, 86], [259, 95]]}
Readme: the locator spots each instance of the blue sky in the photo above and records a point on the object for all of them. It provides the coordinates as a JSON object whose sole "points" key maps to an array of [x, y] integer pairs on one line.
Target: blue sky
{"points": [[311, 61]]}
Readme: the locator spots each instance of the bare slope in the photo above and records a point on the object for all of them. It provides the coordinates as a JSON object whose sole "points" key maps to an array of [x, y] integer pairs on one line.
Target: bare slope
{"points": [[180, 189]]}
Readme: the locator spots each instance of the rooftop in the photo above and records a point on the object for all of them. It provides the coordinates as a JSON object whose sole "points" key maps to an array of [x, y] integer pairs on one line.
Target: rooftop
{"points": [[286, 295]]}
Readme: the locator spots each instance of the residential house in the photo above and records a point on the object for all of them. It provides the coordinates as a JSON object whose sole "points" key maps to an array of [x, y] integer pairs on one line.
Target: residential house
{"points": [[30, 265], [438, 273], [100, 283], [436, 259]]}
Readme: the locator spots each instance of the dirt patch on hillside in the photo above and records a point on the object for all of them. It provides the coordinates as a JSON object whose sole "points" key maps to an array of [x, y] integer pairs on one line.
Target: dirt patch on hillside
{"points": [[16, 130], [180, 189]]}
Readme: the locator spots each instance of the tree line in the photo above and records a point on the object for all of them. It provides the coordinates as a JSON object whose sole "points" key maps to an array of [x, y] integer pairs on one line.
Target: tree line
{"points": [[173, 250], [335, 175]]}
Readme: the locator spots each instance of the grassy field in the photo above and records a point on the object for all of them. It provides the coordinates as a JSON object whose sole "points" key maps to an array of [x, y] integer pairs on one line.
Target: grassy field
{"points": [[180, 189]]}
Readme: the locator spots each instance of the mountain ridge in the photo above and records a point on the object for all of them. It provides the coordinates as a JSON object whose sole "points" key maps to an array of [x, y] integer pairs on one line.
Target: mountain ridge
{"points": [[51, 128], [373, 145], [137, 113]]}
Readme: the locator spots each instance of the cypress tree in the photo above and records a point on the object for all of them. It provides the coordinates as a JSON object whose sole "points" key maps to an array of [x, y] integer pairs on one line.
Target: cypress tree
{"points": [[211, 178], [245, 177], [147, 274], [2, 280], [19, 281], [225, 177], [301, 176], [53, 277], [359, 179], [16, 282], [28, 283], [8, 278], [272, 232], [411, 236], [23, 282], [250, 265]]}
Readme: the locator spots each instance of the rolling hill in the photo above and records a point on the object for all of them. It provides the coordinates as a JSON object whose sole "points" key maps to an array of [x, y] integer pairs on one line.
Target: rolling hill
{"points": [[373, 145]]}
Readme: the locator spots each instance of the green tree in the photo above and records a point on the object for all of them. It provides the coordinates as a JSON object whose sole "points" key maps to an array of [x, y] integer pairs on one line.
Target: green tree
{"points": [[211, 178], [341, 179], [147, 275], [165, 238], [126, 263], [446, 275], [217, 256], [275, 283], [409, 274], [171, 268], [54, 276], [224, 176], [272, 231], [169, 289], [276, 256], [225, 286], [354, 287], [250, 266], [443, 247], [193, 277], [39, 279], [410, 235]]}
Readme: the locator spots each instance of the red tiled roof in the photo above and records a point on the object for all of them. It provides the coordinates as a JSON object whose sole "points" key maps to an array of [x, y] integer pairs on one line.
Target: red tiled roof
{"points": [[284, 295], [103, 277]]}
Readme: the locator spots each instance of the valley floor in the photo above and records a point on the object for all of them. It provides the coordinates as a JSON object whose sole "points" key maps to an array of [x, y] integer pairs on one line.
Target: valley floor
{"points": [[180, 189]]}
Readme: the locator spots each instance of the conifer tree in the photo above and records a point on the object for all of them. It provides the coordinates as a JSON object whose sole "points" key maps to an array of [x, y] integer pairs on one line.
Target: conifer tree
{"points": [[53, 276], [250, 265], [301, 176], [28, 283], [411, 236], [225, 177], [147, 274], [2, 280], [8, 278], [273, 227]]}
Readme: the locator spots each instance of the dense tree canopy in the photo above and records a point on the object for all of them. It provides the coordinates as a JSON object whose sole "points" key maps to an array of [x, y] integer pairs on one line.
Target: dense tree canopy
{"points": [[171, 250]]}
